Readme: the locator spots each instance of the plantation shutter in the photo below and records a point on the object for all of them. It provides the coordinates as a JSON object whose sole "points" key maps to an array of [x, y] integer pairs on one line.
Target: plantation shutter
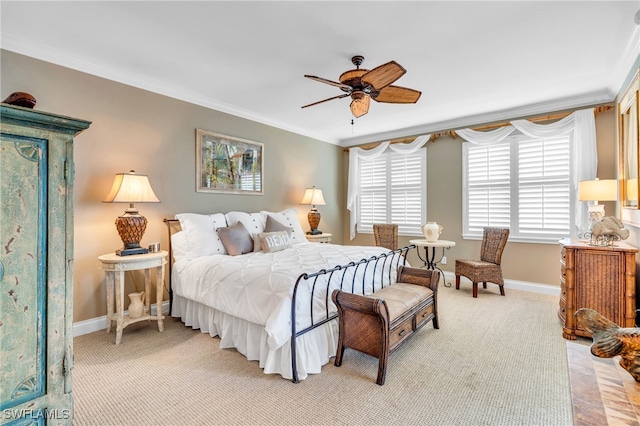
{"points": [[544, 189], [392, 190], [406, 177], [373, 192], [488, 183]]}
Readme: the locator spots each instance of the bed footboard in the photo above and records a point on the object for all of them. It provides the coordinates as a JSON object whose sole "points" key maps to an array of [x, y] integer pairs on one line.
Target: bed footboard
{"points": [[352, 277]]}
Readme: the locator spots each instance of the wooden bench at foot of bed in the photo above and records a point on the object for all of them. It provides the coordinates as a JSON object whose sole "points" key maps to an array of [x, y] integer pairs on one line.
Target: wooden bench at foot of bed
{"points": [[378, 324]]}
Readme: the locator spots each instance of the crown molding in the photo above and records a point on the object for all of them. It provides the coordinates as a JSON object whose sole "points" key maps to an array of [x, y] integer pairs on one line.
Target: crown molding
{"points": [[576, 102], [630, 55]]}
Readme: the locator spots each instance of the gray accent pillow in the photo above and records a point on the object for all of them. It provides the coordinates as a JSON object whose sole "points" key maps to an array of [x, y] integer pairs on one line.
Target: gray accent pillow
{"points": [[236, 239], [274, 241], [272, 225]]}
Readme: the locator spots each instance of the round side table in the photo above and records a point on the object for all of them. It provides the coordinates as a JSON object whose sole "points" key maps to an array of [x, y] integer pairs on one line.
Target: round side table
{"points": [[430, 261], [114, 267]]}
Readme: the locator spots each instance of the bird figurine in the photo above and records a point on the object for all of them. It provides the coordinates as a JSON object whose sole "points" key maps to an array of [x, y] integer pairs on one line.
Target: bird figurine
{"points": [[610, 340], [610, 225]]}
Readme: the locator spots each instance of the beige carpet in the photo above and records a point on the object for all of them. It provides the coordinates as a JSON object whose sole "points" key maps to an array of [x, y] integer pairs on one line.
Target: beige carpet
{"points": [[494, 361]]}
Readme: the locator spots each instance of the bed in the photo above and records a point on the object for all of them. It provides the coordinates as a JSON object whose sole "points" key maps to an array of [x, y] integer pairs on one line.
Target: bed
{"points": [[271, 303]]}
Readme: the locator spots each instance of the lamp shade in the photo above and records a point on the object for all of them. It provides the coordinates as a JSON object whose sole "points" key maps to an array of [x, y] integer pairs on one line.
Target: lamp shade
{"points": [[598, 190], [313, 196], [131, 188]]}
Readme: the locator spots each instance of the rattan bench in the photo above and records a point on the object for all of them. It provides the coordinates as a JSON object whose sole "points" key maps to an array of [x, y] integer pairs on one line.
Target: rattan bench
{"points": [[378, 324]]}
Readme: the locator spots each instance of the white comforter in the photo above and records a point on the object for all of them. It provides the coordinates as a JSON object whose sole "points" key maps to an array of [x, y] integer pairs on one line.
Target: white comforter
{"points": [[258, 287]]}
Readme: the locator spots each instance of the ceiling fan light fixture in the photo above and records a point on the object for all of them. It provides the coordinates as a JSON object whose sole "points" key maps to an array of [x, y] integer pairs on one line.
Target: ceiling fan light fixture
{"points": [[360, 104], [363, 85]]}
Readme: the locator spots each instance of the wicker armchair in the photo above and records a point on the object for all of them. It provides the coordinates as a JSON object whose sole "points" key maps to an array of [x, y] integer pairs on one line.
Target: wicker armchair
{"points": [[488, 268], [386, 235]]}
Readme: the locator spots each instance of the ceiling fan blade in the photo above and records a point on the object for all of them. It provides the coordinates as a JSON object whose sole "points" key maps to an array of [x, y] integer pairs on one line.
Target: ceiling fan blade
{"points": [[397, 95], [360, 106], [344, 95], [382, 76], [332, 83]]}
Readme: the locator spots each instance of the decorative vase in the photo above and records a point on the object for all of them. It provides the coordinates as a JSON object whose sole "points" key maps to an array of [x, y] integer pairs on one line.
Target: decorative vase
{"points": [[432, 231], [136, 307]]}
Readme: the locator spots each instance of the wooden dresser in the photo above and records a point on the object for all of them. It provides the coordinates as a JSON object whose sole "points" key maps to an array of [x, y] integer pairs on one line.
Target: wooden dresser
{"points": [[598, 278]]}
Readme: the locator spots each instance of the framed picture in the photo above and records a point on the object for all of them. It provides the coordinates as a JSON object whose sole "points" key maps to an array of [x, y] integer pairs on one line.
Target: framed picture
{"points": [[228, 164], [629, 139]]}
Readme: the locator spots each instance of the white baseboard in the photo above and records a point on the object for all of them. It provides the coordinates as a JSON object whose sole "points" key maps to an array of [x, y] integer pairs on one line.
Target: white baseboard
{"points": [[519, 285], [100, 323]]}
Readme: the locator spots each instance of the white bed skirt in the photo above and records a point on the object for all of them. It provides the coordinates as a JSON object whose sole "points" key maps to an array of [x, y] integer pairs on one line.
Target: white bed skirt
{"points": [[314, 349]]}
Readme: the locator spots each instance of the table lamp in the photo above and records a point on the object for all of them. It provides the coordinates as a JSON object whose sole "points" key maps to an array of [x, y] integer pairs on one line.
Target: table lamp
{"points": [[597, 190], [131, 188], [313, 197]]}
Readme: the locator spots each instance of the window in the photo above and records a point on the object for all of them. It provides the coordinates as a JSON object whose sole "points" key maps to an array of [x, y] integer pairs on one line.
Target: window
{"points": [[393, 190], [522, 183]]}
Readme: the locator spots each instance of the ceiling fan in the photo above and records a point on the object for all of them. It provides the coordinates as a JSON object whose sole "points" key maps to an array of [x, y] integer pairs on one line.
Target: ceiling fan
{"points": [[363, 85]]}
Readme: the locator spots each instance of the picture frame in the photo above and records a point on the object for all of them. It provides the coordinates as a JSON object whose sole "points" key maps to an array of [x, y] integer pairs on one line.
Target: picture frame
{"points": [[227, 164], [629, 149]]}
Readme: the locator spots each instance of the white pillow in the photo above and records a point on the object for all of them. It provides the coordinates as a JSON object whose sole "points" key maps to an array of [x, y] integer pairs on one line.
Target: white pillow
{"points": [[179, 245], [289, 218], [253, 222], [200, 229]]}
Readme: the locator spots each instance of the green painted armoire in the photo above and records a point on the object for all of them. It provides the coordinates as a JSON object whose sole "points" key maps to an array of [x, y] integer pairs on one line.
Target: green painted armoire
{"points": [[36, 266]]}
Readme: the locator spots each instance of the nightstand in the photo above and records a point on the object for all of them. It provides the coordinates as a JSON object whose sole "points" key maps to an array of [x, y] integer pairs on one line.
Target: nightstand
{"points": [[114, 267], [325, 237]]}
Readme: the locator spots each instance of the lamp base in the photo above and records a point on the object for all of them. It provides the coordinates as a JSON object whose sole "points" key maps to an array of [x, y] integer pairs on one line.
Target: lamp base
{"points": [[314, 221], [131, 227], [130, 251], [596, 212]]}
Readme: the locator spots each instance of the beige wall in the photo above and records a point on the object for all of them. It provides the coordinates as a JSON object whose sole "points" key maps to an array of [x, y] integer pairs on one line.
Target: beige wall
{"points": [[155, 135], [537, 263]]}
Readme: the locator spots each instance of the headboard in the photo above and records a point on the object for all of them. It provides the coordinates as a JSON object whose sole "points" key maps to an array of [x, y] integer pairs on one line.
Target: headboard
{"points": [[173, 226]]}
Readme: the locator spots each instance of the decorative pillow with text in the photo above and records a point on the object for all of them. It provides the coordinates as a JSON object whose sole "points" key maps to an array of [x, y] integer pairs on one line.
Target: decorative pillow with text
{"points": [[274, 241]]}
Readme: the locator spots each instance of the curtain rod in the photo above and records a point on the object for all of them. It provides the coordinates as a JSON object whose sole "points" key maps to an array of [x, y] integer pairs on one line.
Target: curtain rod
{"points": [[453, 134]]}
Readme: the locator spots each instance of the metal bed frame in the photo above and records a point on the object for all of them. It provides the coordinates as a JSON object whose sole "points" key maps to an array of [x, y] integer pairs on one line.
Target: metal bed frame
{"points": [[335, 279]]}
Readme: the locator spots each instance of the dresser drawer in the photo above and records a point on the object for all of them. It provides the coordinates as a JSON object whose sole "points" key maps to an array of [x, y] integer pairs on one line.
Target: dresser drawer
{"points": [[423, 316], [400, 332]]}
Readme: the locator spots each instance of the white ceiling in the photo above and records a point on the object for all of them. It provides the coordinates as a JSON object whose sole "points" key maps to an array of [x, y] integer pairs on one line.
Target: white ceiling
{"points": [[474, 61]]}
